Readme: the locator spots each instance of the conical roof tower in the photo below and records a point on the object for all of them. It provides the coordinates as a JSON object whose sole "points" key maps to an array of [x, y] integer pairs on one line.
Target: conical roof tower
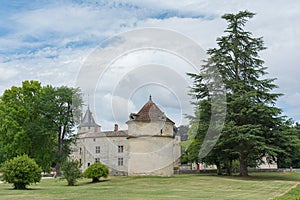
{"points": [[88, 123]]}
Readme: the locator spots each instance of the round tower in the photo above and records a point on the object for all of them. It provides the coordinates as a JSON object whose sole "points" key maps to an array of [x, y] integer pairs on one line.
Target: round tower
{"points": [[150, 142]]}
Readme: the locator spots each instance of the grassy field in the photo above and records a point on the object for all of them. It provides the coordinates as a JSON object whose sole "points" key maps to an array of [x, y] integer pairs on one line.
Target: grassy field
{"points": [[257, 186], [293, 194]]}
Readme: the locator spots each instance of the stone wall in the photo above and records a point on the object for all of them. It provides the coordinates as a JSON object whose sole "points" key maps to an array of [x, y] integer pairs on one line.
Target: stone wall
{"points": [[85, 151], [150, 156]]}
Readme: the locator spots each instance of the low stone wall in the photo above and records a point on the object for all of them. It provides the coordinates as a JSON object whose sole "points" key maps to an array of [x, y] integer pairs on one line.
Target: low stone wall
{"points": [[113, 172], [214, 171], [203, 171]]}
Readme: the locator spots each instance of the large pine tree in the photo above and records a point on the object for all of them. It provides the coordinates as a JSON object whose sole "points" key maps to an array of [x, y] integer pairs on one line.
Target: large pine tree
{"points": [[253, 123]]}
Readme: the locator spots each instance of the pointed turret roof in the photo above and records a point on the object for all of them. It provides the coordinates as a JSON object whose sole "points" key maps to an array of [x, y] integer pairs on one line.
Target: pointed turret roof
{"points": [[150, 112], [88, 119]]}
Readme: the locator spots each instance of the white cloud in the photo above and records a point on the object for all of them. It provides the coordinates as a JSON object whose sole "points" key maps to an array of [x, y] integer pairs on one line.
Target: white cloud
{"points": [[133, 77], [110, 110], [51, 42], [7, 73], [293, 99]]}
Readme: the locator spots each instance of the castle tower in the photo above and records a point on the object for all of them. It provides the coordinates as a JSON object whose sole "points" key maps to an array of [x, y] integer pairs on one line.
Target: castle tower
{"points": [[88, 123], [150, 142]]}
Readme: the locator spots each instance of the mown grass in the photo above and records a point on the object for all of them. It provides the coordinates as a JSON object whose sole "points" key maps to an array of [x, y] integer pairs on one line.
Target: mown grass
{"points": [[257, 186], [293, 194]]}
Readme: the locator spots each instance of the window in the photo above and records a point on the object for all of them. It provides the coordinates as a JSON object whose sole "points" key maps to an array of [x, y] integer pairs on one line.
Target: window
{"points": [[94, 139], [80, 150], [120, 162], [120, 149], [97, 159], [89, 164], [97, 149]]}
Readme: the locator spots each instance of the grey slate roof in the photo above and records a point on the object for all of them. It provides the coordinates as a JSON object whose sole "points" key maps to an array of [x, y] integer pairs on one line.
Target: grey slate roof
{"points": [[120, 133], [88, 120]]}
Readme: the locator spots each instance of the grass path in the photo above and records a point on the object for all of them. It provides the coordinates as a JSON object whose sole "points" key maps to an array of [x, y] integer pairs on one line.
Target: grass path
{"points": [[292, 194], [257, 186]]}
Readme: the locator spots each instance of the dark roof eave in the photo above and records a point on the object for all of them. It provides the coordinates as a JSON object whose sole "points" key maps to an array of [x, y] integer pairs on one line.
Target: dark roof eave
{"points": [[140, 136], [88, 125], [149, 121]]}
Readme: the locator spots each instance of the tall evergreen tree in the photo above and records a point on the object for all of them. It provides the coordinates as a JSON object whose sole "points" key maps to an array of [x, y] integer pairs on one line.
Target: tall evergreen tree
{"points": [[253, 122]]}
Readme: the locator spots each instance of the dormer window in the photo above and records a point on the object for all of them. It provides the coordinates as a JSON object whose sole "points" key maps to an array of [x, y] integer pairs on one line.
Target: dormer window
{"points": [[132, 116], [162, 118]]}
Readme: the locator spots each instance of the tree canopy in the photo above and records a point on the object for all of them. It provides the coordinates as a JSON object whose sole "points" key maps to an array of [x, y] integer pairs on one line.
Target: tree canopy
{"points": [[254, 127], [21, 171], [71, 171], [37, 121], [96, 171]]}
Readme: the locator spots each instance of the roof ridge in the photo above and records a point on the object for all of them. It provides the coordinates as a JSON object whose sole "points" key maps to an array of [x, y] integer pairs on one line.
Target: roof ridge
{"points": [[88, 119], [150, 112]]}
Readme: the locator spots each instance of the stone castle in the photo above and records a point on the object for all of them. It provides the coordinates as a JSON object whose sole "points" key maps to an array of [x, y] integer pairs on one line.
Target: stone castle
{"points": [[148, 147]]}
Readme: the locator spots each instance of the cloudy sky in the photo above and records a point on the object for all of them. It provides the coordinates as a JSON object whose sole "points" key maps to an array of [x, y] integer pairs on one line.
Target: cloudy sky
{"points": [[55, 42]]}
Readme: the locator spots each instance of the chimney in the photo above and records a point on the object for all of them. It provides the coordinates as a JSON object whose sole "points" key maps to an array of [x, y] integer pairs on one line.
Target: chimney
{"points": [[116, 127]]}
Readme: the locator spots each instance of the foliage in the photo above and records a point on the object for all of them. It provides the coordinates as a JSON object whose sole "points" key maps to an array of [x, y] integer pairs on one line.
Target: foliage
{"points": [[21, 171], [23, 127], [71, 171], [37, 121], [254, 127], [96, 171], [62, 107], [293, 160]]}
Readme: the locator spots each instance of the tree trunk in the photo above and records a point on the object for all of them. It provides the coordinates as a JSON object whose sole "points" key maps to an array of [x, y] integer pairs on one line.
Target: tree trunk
{"points": [[57, 169], [229, 168], [243, 165], [95, 180], [19, 186], [219, 170], [59, 154]]}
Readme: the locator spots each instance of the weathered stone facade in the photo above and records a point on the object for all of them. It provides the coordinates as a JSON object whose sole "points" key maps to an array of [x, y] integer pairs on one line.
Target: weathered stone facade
{"points": [[148, 147]]}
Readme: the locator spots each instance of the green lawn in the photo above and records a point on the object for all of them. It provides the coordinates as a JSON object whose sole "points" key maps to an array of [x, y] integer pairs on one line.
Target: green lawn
{"points": [[257, 186], [293, 194]]}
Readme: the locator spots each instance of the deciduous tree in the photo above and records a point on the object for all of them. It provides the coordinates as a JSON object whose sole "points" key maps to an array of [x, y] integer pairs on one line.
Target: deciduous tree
{"points": [[21, 171], [38, 121], [96, 171], [23, 126], [71, 171]]}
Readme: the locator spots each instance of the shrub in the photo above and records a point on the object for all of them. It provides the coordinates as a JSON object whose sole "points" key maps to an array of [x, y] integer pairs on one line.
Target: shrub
{"points": [[71, 171], [96, 171], [21, 171]]}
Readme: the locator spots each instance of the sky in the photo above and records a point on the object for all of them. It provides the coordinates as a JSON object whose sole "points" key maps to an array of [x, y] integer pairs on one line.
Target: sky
{"points": [[96, 45]]}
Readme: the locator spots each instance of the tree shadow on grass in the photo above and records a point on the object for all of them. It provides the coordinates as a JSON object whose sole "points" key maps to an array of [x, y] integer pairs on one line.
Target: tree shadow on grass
{"points": [[261, 176], [27, 189], [92, 183], [275, 177]]}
